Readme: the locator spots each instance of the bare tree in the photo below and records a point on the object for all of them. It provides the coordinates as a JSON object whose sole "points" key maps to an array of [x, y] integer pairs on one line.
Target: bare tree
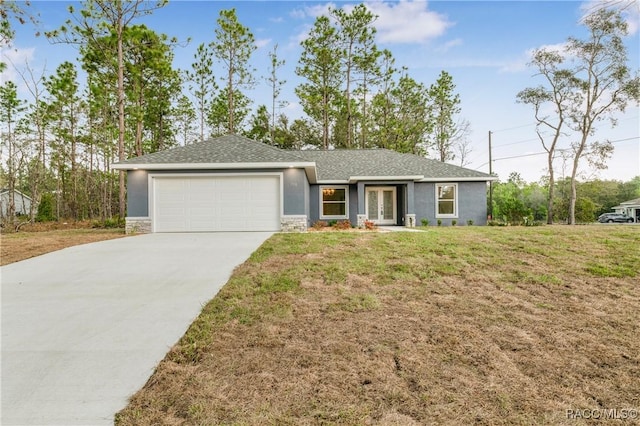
{"points": [[587, 82], [558, 92], [604, 86]]}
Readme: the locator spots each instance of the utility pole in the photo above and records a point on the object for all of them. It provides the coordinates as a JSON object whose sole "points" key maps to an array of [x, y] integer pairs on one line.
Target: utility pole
{"points": [[490, 182]]}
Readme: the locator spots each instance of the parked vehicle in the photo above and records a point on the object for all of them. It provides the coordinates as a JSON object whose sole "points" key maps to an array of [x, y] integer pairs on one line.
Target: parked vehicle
{"points": [[614, 217]]}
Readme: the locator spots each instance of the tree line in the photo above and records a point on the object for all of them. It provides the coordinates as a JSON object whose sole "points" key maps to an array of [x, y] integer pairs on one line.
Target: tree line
{"points": [[132, 101], [518, 202]]}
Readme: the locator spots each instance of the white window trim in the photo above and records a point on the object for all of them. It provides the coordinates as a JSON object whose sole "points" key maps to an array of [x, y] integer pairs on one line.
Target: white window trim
{"points": [[346, 200], [455, 201]]}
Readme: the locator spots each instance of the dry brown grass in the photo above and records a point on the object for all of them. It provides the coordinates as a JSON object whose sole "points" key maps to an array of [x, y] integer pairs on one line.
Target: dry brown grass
{"points": [[487, 326], [37, 239]]}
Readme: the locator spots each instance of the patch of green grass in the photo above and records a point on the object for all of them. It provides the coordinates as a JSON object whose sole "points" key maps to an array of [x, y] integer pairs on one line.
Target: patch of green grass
{"points": [[276, 283], [358, 303], [611, 270]]}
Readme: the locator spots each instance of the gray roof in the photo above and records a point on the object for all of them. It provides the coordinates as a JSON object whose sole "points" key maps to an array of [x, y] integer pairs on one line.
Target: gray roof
{"points": [[332, 165], [224, 149], [343, 164]]}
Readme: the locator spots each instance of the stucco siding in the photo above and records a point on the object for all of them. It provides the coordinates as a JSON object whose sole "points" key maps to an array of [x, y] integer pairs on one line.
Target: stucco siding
{"points": [[137, 193], [424, 202], [472, 203], [294, 188], [472, 200], [353, 205]]}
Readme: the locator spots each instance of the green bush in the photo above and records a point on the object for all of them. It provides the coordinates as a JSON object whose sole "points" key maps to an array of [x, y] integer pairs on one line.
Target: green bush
{"points": [[470, 222], [439, 222], [424, 221], [454, 222], [45, 209]]}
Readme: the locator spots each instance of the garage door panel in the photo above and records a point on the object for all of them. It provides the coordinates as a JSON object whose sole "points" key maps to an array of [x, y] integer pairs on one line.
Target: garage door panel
{"points": [[216, 203]]}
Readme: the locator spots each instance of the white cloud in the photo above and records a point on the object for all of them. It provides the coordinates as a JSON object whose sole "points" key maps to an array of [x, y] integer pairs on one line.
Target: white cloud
{"points": [[14, 57], [319, 9], [449, 45], [522, 63], [312, 11], [407, 22], [262, 42], [298, 14]]}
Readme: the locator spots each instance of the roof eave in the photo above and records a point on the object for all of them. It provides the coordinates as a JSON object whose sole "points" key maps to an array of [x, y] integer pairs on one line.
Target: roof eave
{"points": [[460, 179], [354, 179], [309, 167]]}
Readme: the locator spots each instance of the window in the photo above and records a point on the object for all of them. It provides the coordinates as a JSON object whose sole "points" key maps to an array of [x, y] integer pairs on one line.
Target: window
{"points": [[446, 200], [333, 202]]}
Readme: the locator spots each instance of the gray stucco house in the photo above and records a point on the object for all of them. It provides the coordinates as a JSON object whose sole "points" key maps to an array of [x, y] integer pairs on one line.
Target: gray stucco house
{"points": [[21, 202], [232, 183]]}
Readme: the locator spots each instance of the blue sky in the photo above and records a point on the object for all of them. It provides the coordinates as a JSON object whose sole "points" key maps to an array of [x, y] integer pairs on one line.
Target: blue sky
{"points": [[484, 45]]}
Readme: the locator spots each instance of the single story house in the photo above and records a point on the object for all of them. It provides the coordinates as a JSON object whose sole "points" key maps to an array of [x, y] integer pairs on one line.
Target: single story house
{"points": [[630, 208], [232, 183], [22, 203]]}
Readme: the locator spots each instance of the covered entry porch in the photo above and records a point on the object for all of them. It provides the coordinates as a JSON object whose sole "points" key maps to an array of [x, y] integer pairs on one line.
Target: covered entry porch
{"points": [[386, 203]]}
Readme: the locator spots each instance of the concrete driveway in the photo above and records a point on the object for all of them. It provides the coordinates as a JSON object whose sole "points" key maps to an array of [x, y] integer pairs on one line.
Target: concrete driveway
{"points": [[83, 328]]}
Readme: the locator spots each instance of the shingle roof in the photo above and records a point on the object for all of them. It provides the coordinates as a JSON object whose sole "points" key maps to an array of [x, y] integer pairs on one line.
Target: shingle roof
{"points": [[224, 149], [333, 165], [343, 164]]}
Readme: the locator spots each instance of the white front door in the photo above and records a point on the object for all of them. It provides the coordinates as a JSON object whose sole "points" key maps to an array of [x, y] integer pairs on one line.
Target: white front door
{"points": [[380, 204]]}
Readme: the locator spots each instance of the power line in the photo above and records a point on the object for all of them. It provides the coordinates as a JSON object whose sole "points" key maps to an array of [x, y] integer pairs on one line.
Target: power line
{"points": [[516, 143], [520, 126], [515, 127], [557, 150]]}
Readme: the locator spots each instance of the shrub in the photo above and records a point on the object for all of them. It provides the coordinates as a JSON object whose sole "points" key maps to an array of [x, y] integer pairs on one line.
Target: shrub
{"points": [[454, 222], [45, 209], [343, 224], [332, 223], [320, 224], [469, 222], [424, 221], [369, 225], [439, 222]]}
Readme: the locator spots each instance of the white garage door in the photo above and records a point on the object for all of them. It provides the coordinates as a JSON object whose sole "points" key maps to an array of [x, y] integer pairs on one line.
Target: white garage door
{"points": [[220, 203]]}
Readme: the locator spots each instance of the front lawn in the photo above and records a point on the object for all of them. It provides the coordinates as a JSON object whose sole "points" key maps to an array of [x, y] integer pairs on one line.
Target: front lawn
{"points": [[26, 244], [464, 325]]}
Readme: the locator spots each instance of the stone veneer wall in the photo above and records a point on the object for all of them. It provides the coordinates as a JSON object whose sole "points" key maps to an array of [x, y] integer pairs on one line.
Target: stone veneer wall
{"points": [[294, 223], [138, 225]]}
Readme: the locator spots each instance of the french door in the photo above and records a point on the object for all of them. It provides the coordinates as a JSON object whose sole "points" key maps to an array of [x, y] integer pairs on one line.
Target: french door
{"points": [[380, 204]]}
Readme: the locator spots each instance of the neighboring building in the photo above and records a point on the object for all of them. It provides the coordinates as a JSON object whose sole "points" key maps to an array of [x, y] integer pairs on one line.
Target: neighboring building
{"points": [[21, 201], [232, 183], [630, 208]]}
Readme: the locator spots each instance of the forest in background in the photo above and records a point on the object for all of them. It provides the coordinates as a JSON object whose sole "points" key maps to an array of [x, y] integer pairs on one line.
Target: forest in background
{"points": [[127, 99]]}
